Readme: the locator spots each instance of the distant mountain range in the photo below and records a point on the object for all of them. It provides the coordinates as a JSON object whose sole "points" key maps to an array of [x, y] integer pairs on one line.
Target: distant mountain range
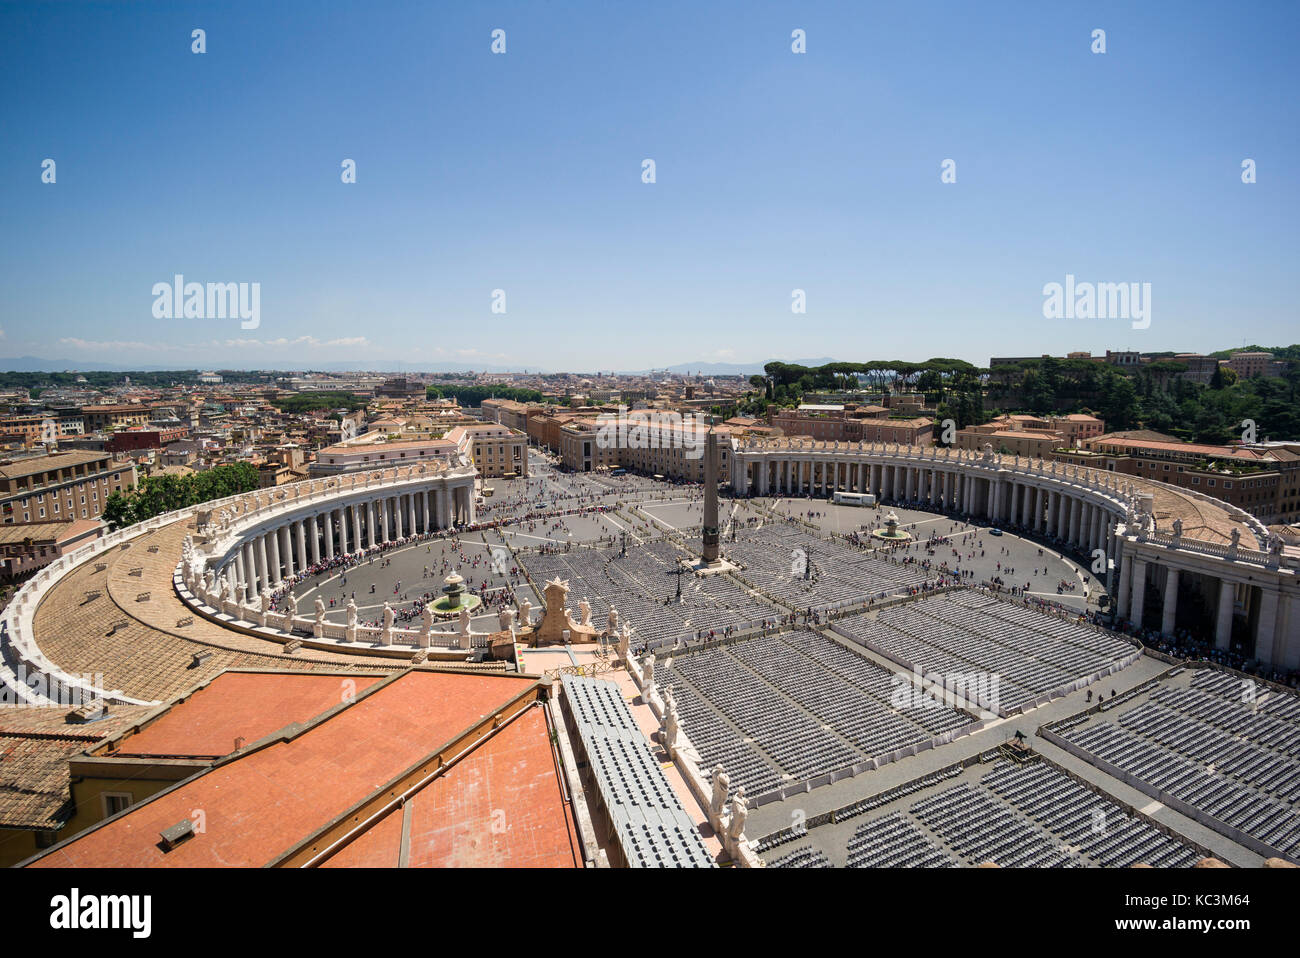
{"points": [[35, 364]]}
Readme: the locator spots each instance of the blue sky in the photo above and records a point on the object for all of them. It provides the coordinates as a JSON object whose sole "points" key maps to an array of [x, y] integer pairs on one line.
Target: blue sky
{"points": [[522, 172]]}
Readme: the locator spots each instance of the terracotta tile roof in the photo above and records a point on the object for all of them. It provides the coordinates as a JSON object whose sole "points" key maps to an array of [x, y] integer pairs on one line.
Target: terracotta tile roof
{"points": [[35, 745], [261, 804], [237, 706], [502, 807], [149, 656]]}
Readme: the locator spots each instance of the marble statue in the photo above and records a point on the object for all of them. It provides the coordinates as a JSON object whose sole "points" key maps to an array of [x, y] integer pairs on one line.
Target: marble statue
{"points": [[584, 607], [613, 621], [1178, 528], [291, 601], [1236, 539], [352, 613], [464, 620], [739, 814], [320, 611], [721, 789], [506, 619], [426, 616], [624, 642], [389, 615], [264, 605], [671, 724], [525, 613], [648, 671]]}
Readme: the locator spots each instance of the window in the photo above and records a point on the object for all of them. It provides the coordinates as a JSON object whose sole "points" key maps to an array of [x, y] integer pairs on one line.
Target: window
{"points": [[115, 802]]}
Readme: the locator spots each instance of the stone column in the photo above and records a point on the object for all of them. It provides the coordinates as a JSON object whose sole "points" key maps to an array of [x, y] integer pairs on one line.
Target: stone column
{"points": [[329, 534], [1170, 608], [237, 574], [1125, 591], [358, 543], [370, 524], [411, 528], [313, 536], [1075, 505], [286, 548], [263, 567], [1266, 627], [250, 570], [274, 538], [1139, 593], [1112, 555], [1223, 627], [300, 527], [398, 530]]}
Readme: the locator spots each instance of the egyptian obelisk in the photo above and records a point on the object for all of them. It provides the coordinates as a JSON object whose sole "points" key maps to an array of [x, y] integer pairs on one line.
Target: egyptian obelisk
{"points": [[709, 554]]}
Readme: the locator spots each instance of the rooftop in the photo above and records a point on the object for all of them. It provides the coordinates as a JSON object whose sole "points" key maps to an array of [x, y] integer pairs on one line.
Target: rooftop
{"points": [[262, 803]]}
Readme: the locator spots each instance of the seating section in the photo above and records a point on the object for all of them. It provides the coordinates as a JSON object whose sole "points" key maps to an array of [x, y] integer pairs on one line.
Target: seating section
{"points": [[807, 857], [775, 555], [894, 842], [638, 584], [1093, 826], [1017, 815], [794, 706], [653, 828], [963, 633], [979, 828], [1233, 755]]}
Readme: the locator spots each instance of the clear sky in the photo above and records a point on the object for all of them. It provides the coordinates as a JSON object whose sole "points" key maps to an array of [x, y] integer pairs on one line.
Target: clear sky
{"points": [[522, 172]]}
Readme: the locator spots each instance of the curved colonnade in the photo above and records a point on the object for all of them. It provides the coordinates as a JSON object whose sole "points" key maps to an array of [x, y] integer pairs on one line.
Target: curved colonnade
{"points": [[276, 520], [1153, 536]]}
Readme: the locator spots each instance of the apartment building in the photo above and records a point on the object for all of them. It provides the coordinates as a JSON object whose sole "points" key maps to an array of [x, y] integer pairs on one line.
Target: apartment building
{"points": [[359, 457], [61, 487], [496, 451]]}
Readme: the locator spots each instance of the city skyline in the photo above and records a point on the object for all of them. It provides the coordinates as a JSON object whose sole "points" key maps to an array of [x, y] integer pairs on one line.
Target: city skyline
{"points": [[776, 172]]}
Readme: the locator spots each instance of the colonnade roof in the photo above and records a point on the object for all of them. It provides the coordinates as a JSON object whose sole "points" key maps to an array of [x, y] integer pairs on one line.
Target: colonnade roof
{"points": [[148, 655], [1208, 521]]}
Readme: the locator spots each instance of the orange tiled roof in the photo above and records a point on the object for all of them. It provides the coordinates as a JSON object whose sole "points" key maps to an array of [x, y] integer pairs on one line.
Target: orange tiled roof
{"points": [[261, 804]]}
